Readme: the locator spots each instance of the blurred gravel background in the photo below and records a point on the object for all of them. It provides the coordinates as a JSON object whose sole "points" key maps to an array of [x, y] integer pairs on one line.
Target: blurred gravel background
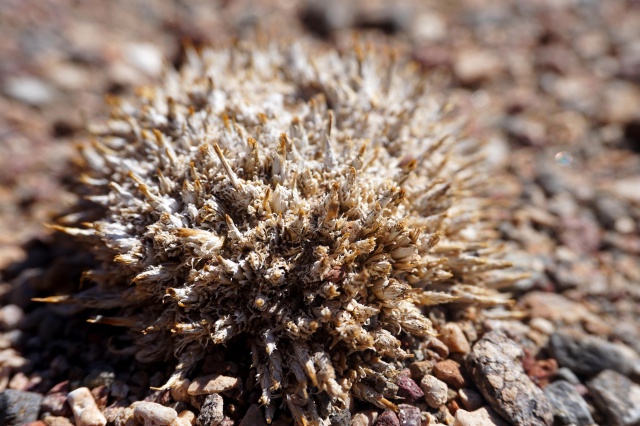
{"points": [[552, 85]]}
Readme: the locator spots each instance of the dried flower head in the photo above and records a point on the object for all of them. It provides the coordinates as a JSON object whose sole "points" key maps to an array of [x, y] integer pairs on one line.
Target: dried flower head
{"points": [[310, 202]]}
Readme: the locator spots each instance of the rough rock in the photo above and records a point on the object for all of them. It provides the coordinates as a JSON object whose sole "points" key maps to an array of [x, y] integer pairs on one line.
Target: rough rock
{"points": [[495, 366], [19, 407], [85, 410], [449, 372], [435, 391], [617, 397], [408, 389], [151, 413], [387, 418], [481, 417], [589, 355], [341, 418], [569, 408], [408, 415], [213, 383], [211, 411]]}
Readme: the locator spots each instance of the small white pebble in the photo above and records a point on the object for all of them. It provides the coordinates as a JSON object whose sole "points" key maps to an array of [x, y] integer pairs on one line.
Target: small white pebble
{"points": [[179, 421], [188, 415], [10, 316], [153, 414], [146, 57], [84, 408], [480, 417], [542, 325]]}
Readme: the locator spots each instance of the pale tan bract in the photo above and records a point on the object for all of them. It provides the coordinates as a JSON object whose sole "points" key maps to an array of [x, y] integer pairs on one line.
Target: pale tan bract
{"points": [[310, 202]]}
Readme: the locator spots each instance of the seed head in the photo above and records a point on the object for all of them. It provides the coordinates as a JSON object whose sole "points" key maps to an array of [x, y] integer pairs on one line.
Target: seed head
{"points": [[310, 202]]}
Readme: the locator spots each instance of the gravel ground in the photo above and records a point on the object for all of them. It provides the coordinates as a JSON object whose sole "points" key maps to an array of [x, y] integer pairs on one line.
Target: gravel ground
{"points": [[552, 86]]}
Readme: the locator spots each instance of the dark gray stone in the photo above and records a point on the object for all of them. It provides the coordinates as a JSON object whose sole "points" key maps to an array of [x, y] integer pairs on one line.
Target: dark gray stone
{"points": [[569, 408], [101, 376], [341, 418], [19, 407], [589, 355], [617, 397], [211, 413], [408, 415], [496, 369]]}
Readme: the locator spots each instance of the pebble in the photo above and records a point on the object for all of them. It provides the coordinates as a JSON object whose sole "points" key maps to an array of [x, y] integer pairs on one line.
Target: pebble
{"points": [[19, 407], [151, 413], [419, 369], [29, 90], [560, 310], [449, 372], [617, 396], [408, 415], [473, 66], [188, 415], [494, 364], [569, 408], [364, 418], [178, 421], [435, 391], [567, 375], [589, 355], [387, 418], [10, 316], [146, 57], [211, 411], [180, 390], [57, 421], [470, 399], [452, 335], [481, 417], [408, 389], [55, 404], [103, 376], [340, 418], [254, 417], [438, 347], [125, 417], [542, 325], [214, 383], [119, 389], [85, 410]]}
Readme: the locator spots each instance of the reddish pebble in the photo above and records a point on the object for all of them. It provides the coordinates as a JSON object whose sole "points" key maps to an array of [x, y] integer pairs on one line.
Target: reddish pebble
{"points": [[449, 372], [408, 389], [387, 418]]}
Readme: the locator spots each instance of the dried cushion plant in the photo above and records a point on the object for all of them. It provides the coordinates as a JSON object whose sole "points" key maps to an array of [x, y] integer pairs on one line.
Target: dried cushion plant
{"points": [[312, 203]]}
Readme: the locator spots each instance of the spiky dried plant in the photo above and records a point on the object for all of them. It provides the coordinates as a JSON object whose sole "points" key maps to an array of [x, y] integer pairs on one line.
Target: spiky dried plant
{"points": [[315, 203]]}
